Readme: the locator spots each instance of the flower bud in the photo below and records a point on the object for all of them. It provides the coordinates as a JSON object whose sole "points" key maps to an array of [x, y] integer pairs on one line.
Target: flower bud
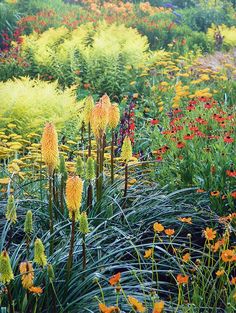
{"points": [[11, 210], [83, 226], [39, 253], [28, 225], [90, 170]]}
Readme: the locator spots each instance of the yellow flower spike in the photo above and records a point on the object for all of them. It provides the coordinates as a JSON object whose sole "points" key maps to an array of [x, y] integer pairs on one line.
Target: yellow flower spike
{"points": [[89, 105], [99, 119], [74, 189], [113, 115], [126, 150], [6, 273], [49, 143]]}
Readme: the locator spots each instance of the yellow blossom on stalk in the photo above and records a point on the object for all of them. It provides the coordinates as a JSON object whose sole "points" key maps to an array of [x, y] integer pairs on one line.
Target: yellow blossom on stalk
{"points": [[6, 273], [158, 307], [50, 147], [99, 119], [74, 189], [113, 116], [27, 272], [137, 306], [89, 105], [126, 150]]}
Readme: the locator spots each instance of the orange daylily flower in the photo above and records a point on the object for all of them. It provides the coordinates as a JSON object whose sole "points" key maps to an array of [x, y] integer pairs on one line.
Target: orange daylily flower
{"points": [[186, 257], [228, 256], [209, 233], [182, 279], [36, 290], [105, 309], [115, 279], [158, 307], [187, 220], [233, 281], [169, 232], [138, 306]]}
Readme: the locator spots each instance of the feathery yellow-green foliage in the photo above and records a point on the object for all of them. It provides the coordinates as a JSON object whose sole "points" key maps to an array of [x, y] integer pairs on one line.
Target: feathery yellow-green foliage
{"points": [[30, 103], [229, 34]]}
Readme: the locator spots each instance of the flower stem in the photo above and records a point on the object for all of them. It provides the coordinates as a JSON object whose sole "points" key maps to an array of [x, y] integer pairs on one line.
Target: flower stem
{"points": [[70, 258]]}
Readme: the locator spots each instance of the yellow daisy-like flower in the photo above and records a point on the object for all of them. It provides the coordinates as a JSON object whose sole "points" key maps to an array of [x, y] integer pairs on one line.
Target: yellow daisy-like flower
{"points": [[158, 227], [209, 234]]}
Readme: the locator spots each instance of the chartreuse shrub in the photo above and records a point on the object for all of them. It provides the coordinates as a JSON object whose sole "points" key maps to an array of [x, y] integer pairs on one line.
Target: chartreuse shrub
{"points": [[29, 103], [100, 56], [228, 33]]}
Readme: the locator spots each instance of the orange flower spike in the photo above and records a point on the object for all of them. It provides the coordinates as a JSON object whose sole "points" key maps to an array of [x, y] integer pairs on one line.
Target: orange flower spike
{"points": [[99, 119], [27, 272], [49, 147], [169, 232], [209, 234], [182, 279], [74, 189], [158, 307], [115, 279], [158, 227], [137, 306], [105, 101]]}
